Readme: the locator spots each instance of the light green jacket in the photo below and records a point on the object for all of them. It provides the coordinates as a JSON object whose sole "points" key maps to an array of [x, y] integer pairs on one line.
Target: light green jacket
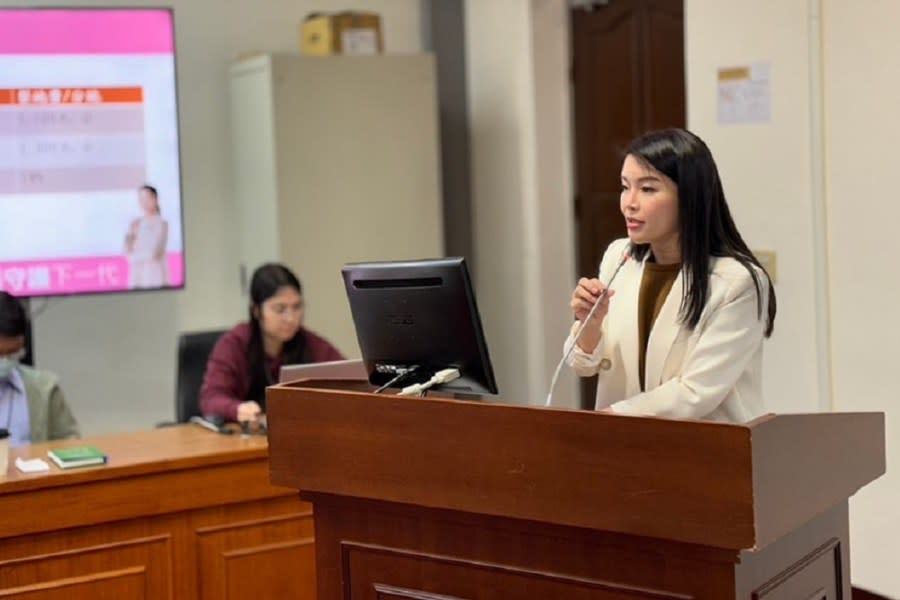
{"points": [[48, 414]]}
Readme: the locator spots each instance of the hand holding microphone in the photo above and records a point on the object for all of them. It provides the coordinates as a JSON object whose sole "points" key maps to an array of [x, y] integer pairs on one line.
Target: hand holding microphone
{"points": [[590, 303], [586, 294]]}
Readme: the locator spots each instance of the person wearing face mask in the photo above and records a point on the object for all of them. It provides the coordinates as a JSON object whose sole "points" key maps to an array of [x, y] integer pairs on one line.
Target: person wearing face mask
{"points": [[680, 332], [248, 358], [32, 406]]}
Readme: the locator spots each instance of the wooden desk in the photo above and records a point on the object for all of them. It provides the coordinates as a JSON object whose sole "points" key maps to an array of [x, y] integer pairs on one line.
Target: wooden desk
{"points": [[179, 513]]}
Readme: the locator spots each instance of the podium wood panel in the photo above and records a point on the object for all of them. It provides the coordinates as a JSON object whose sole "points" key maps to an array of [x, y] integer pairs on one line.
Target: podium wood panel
{"points": [[453, 500], [481, 457], [112, 585], [177, 513]]}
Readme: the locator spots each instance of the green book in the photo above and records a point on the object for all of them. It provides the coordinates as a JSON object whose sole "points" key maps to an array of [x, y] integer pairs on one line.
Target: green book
{"points": [[82, 456]]}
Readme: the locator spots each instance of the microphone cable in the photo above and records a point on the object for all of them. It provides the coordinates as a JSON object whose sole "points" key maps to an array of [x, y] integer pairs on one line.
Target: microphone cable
{"points": [[625, 256]]}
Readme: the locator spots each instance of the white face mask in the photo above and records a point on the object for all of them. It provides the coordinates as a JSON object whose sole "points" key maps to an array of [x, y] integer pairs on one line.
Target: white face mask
{"points": [[8, 363]]}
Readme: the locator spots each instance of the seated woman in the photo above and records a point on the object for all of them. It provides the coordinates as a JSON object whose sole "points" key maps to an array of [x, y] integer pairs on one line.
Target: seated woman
{"points": [[247, 359], [32, 406]]}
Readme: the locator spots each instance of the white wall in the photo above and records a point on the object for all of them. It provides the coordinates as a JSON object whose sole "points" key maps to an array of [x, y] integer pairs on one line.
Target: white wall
{"points": [[521, 190], [770, 176], [862, 84], [555, 213], [116, 354], [500, 122]]}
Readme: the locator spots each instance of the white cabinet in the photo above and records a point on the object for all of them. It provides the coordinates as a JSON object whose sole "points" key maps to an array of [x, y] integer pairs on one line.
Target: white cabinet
{"points": [[335, 160]]}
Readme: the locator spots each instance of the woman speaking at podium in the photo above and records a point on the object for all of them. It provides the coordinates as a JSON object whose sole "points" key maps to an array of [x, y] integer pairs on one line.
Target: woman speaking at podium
{"points": [[679, 333]]}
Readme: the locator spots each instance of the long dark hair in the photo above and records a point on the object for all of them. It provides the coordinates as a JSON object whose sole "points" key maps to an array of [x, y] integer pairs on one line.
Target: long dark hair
{"points": [[13, 318], [264, 284], [152, 190], [706, 226]]}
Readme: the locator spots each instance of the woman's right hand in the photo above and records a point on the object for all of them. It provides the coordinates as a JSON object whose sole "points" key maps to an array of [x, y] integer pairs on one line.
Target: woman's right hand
{"points": [[248, 412], [585, 296], [583, 299]]}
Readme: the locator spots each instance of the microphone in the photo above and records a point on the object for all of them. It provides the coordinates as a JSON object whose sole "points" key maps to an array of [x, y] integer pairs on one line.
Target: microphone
{"points": [[625, 256]]}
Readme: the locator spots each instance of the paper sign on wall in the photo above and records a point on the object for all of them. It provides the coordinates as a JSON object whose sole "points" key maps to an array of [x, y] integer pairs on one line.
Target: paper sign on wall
{"points": [[745, 94]]}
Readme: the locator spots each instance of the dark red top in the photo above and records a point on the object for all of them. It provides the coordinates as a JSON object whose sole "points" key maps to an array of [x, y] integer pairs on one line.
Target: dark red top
{"points": [[227, 380]]}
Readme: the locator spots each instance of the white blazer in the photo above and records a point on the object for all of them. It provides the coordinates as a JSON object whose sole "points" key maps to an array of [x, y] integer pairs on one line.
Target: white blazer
{"points": [[711, 372]]}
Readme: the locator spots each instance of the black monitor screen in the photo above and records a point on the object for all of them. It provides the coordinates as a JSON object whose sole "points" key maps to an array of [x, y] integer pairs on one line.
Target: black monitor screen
{"points": [[419, 313]]}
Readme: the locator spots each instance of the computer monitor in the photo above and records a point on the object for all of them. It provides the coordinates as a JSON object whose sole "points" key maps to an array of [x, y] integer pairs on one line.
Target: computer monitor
{"points": [[419, 313]]}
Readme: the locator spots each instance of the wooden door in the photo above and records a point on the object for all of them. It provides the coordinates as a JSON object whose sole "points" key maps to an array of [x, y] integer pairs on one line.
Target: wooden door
{"points": [[628, 78]]}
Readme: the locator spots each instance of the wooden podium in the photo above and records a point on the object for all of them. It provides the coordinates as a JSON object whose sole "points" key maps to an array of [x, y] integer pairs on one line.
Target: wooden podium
{"points": [[430, 499]]}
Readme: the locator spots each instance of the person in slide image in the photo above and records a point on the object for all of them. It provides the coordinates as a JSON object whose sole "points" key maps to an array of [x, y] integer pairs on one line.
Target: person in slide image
{"points": [[247, 359], [145, 244], [680, 332]]}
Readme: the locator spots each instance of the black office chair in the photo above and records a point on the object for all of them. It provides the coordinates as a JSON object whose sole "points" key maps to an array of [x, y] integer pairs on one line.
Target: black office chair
{"points": [[193, 353]]}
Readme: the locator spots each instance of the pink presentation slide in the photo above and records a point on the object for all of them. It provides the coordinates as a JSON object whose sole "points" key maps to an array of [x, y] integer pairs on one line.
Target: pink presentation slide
{"points": [[89, 164]]}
